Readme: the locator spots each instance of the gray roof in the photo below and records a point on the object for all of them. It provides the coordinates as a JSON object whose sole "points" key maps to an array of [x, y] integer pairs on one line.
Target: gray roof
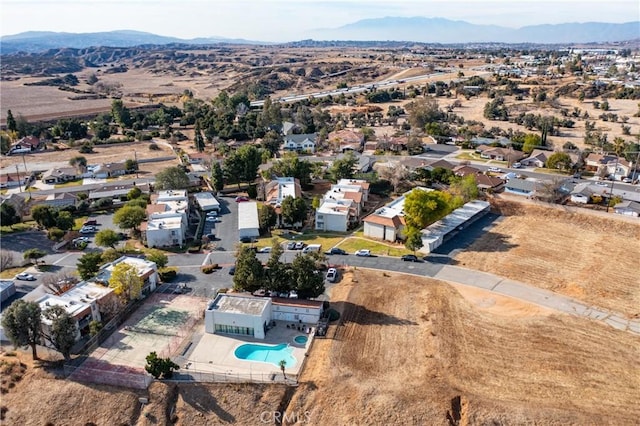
{"points": [[522, 184], [301, 138]]}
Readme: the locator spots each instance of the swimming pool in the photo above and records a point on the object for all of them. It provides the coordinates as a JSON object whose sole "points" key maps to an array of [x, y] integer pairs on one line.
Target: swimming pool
{"points": [[264, 353], [301, 340]]}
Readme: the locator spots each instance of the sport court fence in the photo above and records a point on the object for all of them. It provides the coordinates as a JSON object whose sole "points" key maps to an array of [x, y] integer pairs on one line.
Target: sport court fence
{"points": [[108, 376], [183, 376]]}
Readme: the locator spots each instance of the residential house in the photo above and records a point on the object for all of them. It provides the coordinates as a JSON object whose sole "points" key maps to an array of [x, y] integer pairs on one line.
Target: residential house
{"points": [[117, 190], [198, 157], [608, 165], [26, 144], [628, 208], [488, 183], [537, 158], [300, 143], [464, 170], [108, 170], [527, 187], [61, 199], [387, 223], [444, 164], [277, 190], [346, 140], [11, 180], [335, 215], [500, 154], [167, 219], [60, 175], [288, 128]]}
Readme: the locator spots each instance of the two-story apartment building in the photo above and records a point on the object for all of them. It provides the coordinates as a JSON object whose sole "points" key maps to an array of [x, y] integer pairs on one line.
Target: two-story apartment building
{"points": [[342, 205], [167, 219], [277, 190]]}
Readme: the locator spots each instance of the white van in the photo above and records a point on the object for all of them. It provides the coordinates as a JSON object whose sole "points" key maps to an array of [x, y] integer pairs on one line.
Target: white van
{"points": [[311, 248]]}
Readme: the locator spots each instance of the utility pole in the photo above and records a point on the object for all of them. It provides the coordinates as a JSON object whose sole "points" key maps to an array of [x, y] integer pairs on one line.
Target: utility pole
{"points": [[18, 177], [135, 156], [615, 170]]}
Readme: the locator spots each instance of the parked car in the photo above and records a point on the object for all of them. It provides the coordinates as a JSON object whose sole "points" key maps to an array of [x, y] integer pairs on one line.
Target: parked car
{"points": [[80, 240], [92, 222], [23, 276], [241, 198], [212, 213], [88, 229], [265, 250], [495, 170], [516, 165], [602, 183], [246, 239], [232, 270], [211, 219], [410, 258], [292, 294], [312, 248], [291, 245], [363, 253], [332, 275], [299, 245], [627, 180], [335, 250]]}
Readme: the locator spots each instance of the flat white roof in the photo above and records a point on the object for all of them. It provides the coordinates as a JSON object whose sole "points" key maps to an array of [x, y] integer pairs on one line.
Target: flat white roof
{"points": [[73, 307], [396, 207], [254, 306], [173, 222], [87, 291], [248, 215], [172, 194], [206, 201], [143, 266], [336, 207], [286, 187]]}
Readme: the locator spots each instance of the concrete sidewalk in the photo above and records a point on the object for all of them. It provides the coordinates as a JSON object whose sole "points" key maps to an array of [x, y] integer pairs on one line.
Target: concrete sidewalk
{"points": [[538, 296]]}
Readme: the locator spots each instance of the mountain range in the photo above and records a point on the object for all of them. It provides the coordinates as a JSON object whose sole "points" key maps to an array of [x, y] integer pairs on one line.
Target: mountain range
{"points": [[418, 29]]}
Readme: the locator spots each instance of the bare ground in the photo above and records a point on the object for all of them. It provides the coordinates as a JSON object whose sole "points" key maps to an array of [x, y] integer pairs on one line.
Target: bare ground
{"points": [[413, 351], [590, 258]]}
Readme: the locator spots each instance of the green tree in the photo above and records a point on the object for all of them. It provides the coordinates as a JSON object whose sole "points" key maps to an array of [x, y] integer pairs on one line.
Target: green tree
{"points": [[343, 168], [272, 141], [307, 280], [422, 208], [89, 264], [559, 161], [283, 366], [34, 254], [8, 215], [315, 203], [531, 142], [291, 166], [125, 282], [172, 178], [64, 220], [95, 327], [293, 210], [62, 330], [160, 367], [79, 162], [413, 239], [129, 217], [278, 274], [22, 324], [11, 122], [107, 238], [249, 275], [198, 140], [158, 257], [130, 165], [44, 215], [217, 177], [121, 114], [110, 255], [55, 234], [465, 189], [423, 111], [134, 193], [267, 217]]}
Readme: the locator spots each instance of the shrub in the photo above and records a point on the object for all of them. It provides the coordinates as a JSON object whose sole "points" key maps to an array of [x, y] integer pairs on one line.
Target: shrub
{"points": [[207, 269], [154, 147], [167, 274], [223, 290]]}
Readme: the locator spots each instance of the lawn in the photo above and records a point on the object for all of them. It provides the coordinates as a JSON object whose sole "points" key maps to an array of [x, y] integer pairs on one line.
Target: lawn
{"points": [[326, 240], [18, 227], [78, 222], [67, 184], [469, 155], [350, 245], [11, 272]]}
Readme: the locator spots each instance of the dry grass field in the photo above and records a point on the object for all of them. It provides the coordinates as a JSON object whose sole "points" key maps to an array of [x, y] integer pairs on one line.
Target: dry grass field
{"points": [[590, 258], [414, 351]]}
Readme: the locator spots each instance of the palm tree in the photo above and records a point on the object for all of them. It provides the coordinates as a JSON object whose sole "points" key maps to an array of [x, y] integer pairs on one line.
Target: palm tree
{"points": [[283, 365]]}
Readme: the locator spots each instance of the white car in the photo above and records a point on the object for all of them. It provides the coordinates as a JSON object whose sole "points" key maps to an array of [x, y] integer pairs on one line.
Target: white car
{"points": [[332, 275], [88, 229], [602, 183], [363, 253], [265, 250], [23, 276], [495, 170], [516, 165]]}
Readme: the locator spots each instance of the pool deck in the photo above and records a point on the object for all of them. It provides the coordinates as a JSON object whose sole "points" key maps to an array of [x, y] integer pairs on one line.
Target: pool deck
{"points": [[214, 353]]}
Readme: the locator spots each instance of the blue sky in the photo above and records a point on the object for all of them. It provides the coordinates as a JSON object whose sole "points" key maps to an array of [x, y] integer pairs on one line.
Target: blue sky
{"points": [[285, 20]]}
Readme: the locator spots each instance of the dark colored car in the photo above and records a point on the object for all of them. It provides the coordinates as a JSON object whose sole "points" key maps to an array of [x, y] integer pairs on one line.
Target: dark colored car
{"points": [[232, 270], [410, 258], [246, 239], [336, 250], [90, 222]]}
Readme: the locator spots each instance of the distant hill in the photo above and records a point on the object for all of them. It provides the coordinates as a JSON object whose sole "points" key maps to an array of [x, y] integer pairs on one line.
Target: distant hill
{"points": [[38, 41], [440, 30]]}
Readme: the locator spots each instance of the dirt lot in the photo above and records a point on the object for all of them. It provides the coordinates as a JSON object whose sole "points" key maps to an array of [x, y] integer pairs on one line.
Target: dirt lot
{"points": [[592, 259], [414, 351]]}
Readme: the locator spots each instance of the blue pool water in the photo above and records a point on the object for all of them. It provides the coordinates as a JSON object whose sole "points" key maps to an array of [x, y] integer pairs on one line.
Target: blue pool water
{"points": [[264, 353], [301, 339]]}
